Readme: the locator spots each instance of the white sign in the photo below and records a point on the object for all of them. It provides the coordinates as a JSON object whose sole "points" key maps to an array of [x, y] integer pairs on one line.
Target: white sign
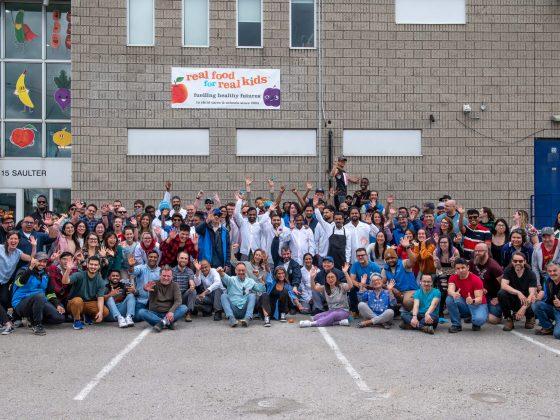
{"points": [[35, 173], [225, 88]]}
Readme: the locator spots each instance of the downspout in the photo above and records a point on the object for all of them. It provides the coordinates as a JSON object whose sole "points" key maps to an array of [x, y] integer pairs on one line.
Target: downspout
{"points": [[319, 98]]}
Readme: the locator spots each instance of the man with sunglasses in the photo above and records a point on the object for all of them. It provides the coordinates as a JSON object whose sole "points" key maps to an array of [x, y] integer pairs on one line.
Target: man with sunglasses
{"points": [[474, 232], [518, 292], [40, 210]]}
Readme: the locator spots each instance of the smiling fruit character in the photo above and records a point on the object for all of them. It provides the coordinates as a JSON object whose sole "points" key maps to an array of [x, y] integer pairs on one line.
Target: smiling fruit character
{"points": [[179, 92], [62, 138], [23, 137], [271, 97]]}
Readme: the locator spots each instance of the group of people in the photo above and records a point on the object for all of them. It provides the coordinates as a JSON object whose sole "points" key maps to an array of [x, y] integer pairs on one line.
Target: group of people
{"points": [[332, 255]]}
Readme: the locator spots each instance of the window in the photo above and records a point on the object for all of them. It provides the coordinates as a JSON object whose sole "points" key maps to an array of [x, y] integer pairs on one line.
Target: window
{"points": [[435, 12], [141, 22], [195, 23], [249, 23], [382, 142], [36, 80], [269, 142], [302, 24], [178, 142]]}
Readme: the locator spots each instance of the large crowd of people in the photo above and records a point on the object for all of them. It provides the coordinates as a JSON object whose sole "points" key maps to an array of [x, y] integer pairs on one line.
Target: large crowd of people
{"points": [[334, 256]]}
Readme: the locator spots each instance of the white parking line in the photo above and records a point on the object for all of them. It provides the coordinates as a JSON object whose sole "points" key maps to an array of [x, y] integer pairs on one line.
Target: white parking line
{"points": [[360, 383], [536, 342], [109, 366]]}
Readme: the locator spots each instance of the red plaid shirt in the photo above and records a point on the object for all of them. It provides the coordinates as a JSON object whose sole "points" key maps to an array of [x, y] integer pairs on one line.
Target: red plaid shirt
{"points": [[55, 280], [170, 250]]}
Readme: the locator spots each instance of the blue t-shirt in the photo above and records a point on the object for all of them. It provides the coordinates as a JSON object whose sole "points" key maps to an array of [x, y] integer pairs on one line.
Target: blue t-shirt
{"points": [[368, 269], [426, 300], [8, 263]]}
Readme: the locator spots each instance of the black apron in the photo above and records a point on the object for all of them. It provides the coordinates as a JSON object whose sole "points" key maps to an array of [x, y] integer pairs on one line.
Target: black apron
{"points": [[337, 248]]}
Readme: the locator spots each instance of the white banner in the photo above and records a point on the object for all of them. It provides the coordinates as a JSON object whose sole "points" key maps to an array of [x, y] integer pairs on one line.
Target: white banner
{"points": [[222, 88], [35, 173]]}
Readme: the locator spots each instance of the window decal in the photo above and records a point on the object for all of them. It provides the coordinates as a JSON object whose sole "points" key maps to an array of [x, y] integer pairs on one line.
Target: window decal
{"points": [[62, 138], [23, 93], [62, 95], [24, 136], [22, 31]]}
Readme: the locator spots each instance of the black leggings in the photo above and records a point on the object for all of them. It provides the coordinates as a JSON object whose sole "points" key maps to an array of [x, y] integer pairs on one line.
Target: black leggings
{"points": [[5, 296], [281, 298], [36, 308], [440, 282]]}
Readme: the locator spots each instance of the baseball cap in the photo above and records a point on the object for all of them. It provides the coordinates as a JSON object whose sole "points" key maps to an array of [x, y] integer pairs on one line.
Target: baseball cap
{"points": [[342, 157], [41, 256], [329, 258], [441, 205], [547, 231], [208, 201], [217, 212], [267, 204], [320, 190]]}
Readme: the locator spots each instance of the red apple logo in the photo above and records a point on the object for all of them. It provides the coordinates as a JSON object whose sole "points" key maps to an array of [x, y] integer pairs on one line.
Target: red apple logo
{"points": [[23, 137], [179, 92]]}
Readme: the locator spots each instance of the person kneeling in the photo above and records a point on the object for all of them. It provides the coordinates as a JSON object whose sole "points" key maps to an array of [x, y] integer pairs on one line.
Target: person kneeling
{"points": [[424, 316], [335, 294], [33, 298], [120, 300], [375, 305], [164, 302]]}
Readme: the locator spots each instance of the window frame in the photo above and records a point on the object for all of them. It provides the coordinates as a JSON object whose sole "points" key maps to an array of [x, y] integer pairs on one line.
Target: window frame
{"points": [[314, 47], [43, 61], [207, 45], [128, 44], [237, 27]]}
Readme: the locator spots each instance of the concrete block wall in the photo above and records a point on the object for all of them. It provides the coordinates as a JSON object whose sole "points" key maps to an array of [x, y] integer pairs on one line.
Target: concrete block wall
{"points": [[377, 75]]}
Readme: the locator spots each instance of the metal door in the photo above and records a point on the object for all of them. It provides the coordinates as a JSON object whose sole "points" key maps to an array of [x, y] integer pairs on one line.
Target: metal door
{"points": [[12, 200], [546, 202]]}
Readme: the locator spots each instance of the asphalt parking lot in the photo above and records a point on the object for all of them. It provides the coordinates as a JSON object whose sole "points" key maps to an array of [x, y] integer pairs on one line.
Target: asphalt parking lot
{"points": [[207, 370]]}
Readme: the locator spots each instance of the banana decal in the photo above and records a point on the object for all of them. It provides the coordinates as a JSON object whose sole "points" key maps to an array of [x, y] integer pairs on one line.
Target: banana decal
{"points": [[22, 92], [23, 33]]}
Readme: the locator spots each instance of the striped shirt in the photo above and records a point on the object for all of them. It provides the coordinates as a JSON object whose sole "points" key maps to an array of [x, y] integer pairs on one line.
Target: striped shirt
{"points": [[475, 236]]}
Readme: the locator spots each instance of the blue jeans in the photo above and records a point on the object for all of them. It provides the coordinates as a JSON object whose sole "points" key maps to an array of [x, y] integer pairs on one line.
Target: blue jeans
{"points": [[153, 317], [459, 309], [124, 308], [495, 310], [547, 314], [406, 316], [232, 311], [138, 307]]}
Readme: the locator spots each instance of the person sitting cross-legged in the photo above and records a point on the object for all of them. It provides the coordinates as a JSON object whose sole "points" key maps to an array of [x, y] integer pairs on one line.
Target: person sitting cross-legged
{"points": [[164, 302], [239, 299], [375, 304], [425, 311]]}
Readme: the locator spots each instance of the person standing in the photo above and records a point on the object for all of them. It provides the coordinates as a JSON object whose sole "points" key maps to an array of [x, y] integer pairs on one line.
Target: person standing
{"points": [[341, 180]]}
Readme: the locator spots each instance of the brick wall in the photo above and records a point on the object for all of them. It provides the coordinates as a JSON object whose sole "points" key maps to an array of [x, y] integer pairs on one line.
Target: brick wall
{"points": [[377, 75]]}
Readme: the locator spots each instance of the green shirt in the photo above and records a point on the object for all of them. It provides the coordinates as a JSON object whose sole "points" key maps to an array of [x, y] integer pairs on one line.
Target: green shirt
{"points": [[87, 288]]}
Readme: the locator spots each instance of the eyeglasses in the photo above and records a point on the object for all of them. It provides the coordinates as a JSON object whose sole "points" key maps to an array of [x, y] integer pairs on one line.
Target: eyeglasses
{"points": [[518, 261], [121, 211], [361, 255], [93, 239], [28, 222], [41, 202]]}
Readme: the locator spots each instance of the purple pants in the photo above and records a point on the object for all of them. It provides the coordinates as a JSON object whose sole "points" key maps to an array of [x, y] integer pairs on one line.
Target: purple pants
{"points": [[328, 318]]}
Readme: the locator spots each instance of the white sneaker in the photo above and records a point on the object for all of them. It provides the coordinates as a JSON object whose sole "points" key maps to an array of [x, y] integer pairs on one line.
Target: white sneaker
{"points": [[165, 321], [122, 322], [304, 324], [129, 321], [283, 317], [267, 321], [344, 323]]}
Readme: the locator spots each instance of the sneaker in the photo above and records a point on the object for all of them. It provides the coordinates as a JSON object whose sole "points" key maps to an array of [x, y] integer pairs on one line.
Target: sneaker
{"points": [[159, 326], [171, 325], [88, 320], [468, 320], [233, 322], [188, 317], [304, 324], [244, 323], [508, 325], [267, 321], [129, 321], [476, 327], [8, 329], [544, 331], [428, 329], [218, 316], [121, 321], [283, 317], [344, 323], [387, 325], [38, 330], [165, 321], [405, 326], [529, 323], [78, 325], [17, 323], [455, 329]]}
